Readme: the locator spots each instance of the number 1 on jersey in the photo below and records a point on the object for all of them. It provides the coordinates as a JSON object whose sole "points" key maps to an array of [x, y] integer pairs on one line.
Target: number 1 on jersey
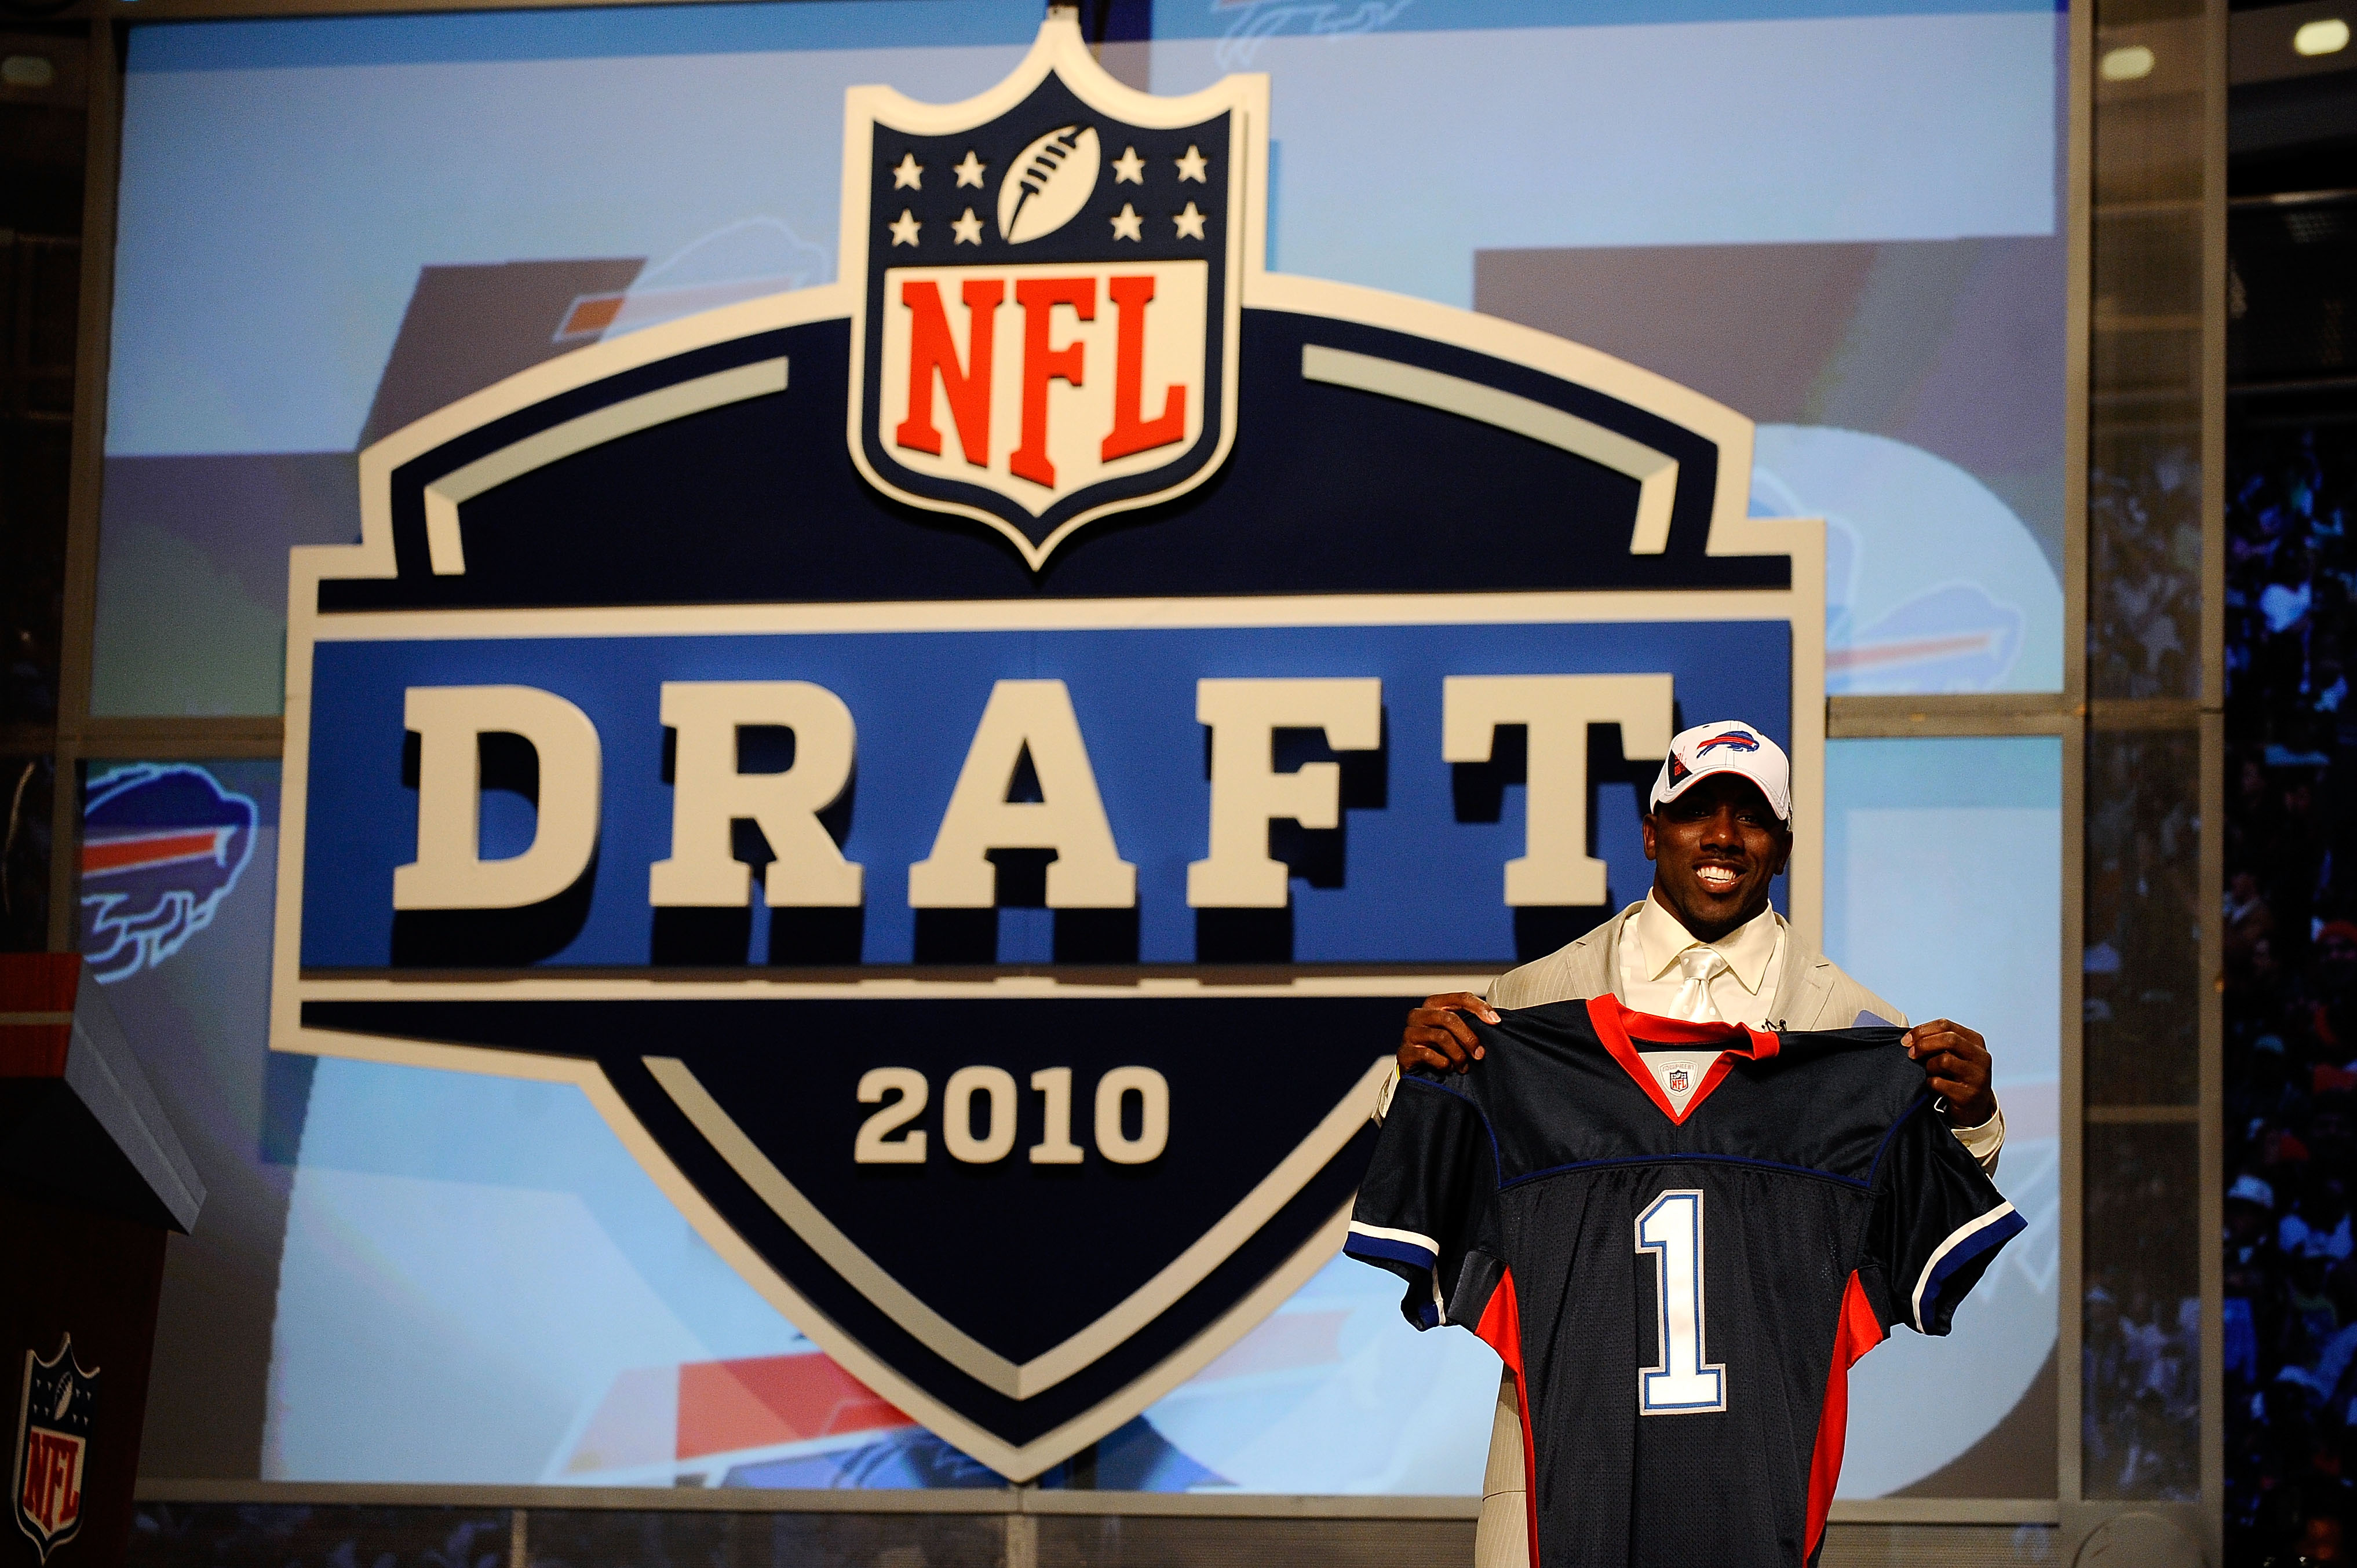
{"points": [[1678, 1384]]}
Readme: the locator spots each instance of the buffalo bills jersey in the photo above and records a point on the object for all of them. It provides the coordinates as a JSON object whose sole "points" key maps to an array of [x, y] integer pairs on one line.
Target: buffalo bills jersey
{"points": [[1679, 1236]]}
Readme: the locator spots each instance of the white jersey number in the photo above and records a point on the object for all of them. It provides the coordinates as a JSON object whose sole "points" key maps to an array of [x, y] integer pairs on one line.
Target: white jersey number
{"points": [[1678, 1384]]}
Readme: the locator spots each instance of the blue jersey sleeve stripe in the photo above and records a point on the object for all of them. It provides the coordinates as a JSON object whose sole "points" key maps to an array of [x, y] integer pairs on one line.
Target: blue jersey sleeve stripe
{"points": [[1396, 1251], [1395, 1247], [1991, 1230]]}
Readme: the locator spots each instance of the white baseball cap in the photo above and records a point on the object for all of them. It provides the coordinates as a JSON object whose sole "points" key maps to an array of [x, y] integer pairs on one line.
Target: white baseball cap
{"points": [[1728, 747]]}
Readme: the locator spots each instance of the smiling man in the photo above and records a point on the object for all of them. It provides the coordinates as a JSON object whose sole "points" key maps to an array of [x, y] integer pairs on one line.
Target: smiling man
{"points": [[1703, 945]]}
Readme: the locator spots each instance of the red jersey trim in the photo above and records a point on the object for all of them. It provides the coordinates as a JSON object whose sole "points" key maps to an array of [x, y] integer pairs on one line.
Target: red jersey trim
{"points": [[1856, 1331], [1611, 1023], [1502, 1328]]}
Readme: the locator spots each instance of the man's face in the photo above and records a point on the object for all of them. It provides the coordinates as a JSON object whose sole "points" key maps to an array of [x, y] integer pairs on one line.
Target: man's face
{"points": [[1715, 849]]}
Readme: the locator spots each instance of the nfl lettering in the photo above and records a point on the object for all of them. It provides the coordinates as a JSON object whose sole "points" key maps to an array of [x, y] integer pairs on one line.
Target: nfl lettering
{"points": [[52, 1490], [969, 382]]}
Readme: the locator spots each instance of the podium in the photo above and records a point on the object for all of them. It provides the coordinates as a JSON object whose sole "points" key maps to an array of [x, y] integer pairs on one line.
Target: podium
{"points": [[92, 1180]]}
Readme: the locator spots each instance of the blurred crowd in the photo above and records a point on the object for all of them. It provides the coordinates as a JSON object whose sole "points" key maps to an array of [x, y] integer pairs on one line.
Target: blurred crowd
{"points": [[2291, 1316], [2140, 1387]]}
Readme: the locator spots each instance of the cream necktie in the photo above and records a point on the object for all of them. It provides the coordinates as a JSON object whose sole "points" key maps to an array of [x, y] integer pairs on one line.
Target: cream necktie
{"points": [[1697, 966]]}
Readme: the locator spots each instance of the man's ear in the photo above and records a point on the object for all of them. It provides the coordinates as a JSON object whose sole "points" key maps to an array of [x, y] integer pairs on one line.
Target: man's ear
{"points": [[1645, 824], [1784, 854]]}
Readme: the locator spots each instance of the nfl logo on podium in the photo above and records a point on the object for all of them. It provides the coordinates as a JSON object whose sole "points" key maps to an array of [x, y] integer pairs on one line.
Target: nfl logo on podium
{"points": [[1049, 293], [53, 1416]]}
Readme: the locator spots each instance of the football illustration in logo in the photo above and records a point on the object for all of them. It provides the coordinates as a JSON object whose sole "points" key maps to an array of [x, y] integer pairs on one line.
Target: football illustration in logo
{"points": [[1049, 185], [54, 1411]]}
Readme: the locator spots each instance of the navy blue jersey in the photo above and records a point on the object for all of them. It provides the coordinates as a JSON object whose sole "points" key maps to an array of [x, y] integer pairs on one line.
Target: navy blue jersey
{"points": [[1679, 1236]]}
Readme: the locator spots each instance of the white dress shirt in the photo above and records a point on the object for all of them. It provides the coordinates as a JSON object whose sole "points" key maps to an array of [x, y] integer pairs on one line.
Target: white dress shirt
{"points": [[1741, 987]]}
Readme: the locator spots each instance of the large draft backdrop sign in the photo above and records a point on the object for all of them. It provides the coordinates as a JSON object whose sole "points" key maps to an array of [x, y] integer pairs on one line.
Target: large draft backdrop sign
{"points": [[966, 765]]}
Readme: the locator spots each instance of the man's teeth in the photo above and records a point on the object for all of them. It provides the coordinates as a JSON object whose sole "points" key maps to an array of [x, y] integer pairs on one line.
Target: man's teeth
{"points": [[1716, 875]]}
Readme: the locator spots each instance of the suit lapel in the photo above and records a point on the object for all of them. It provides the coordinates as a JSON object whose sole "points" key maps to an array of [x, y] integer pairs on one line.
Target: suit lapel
{"points": [[1594, 967], [1802, 988]]}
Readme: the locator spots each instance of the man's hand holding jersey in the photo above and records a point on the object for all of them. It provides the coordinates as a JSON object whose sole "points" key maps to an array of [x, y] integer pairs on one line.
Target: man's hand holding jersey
{"points": [[1436, 1034], [1957, 1061]]}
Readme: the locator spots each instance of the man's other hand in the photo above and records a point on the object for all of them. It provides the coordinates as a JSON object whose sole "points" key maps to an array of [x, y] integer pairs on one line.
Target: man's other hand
{"points": [[1438, 1036], [1957, 1060]]}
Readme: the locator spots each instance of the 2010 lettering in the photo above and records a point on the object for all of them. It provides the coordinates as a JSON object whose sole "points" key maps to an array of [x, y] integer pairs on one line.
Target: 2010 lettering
{"points": [[886, 1137]]}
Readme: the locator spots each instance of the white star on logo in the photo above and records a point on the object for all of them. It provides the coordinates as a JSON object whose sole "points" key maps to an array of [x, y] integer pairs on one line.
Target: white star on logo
{"points": [[904, 231], [909, 173], [1191, 166], [1126, 223], [970, 171], [1129, 166], [1191, 223], [968, 229]]}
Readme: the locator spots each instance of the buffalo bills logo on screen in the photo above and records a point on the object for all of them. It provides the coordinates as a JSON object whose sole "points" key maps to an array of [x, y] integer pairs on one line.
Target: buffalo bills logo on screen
{"points": [[162, 845], [53, 1422], [641, 732], [1047, 327], [1733, 740]]}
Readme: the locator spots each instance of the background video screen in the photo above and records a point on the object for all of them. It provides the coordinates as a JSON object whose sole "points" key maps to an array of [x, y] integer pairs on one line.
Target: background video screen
{"points": [[1840, 219]]}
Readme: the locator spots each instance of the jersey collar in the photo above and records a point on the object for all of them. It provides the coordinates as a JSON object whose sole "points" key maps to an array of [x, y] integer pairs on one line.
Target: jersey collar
{"points": [[1612, 1023]]}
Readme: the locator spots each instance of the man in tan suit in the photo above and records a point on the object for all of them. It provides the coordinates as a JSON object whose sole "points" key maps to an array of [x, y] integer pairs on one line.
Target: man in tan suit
{"points": [[1703, 944]]}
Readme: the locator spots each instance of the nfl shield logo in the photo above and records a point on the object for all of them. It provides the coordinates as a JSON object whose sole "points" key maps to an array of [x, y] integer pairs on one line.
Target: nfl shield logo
{"points": [[53, 1416], [1049, 279], [1678, 1081]]}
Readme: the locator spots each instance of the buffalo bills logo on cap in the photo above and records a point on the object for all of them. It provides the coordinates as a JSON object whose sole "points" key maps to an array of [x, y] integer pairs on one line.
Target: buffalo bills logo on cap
{"points": [[1726, 747]]}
